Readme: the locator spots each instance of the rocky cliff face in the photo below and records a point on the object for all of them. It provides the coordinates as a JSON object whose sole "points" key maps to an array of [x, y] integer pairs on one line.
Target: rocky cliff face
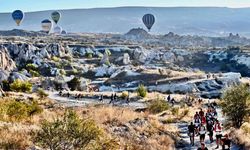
{"points": [[6, 63]]}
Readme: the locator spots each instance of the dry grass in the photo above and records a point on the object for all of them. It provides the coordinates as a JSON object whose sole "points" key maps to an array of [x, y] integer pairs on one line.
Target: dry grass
{"points": [[105, 114], [12, 137]]}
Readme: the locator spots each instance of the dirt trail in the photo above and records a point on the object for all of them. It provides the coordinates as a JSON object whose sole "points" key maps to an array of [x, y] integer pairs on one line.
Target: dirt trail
{"points": [[183, 127]]}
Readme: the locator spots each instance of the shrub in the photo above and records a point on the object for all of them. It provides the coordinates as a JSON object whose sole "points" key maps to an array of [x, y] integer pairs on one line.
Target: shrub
{"points": [[124, 94], [55, 59], [42, 94], [21, 86], [34, 109], [89, 55], [141, 91], [71, 132], [19, 111], [5, 85], [158, 106], [74, 84], [175, 111], [235, 104], [30, 67], [34, 73], [107, 51]]}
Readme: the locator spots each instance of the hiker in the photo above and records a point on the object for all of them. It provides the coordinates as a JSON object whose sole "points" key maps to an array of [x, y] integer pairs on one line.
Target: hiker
{"points": [[191, 131], [202, 132], [169, 98], [218, 130], [68, 94], [210, 130], [60, 93], [111, 99], [196, 115], [201, 113], [115, 97], [173, 101], [203, 120], [101, 98], [197, 123], [203, 147], [128, 99], [226, 142]]}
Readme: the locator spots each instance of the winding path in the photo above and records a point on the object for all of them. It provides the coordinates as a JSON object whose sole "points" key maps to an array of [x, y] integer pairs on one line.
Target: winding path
{"points": [[183, 127]]}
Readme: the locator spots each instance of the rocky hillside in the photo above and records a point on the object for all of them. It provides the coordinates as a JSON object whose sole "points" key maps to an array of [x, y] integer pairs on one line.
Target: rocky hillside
{"points": [[185, 41]]}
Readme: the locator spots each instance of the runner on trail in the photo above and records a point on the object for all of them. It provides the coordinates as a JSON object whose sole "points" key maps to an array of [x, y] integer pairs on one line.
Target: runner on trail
{"points": [[111, 99], [196, 116], [191, 130], [218, 130], [203, 120], [169, 98], [210, 130], [128, 99], [203, 147], [201, 113], [197, 122], [226, 142], [202, 132], [101, 98]]}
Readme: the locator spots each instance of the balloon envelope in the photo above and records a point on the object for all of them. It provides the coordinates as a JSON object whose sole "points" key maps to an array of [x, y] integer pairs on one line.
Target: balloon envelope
{"points": [[18, 16], [55, 16], [64, 32], [58, 30], [46, 25], [148, 20]]}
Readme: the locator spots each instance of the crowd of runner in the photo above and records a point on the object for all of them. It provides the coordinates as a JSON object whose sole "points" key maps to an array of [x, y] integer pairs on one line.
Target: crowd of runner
{"points": [[208, 123]]}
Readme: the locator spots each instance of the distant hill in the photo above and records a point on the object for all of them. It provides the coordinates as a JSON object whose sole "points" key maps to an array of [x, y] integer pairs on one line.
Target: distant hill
{"points": [[210, 21]]}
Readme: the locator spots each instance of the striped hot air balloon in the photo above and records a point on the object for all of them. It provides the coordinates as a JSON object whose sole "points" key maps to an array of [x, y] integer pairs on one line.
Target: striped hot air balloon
{"points": [[46, 25], [148, 21], [18, 16]]}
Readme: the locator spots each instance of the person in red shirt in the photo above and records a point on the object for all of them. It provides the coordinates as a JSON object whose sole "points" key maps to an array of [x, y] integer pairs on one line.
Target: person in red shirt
{"points": [[203, 120], [218, 132]]}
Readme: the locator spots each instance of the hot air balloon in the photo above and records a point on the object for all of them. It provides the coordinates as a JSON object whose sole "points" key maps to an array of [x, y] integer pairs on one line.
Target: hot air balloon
{"points": [[58, 30], [56, 16], [148, 20], [64, 32], [18, 16], [46, 25]]}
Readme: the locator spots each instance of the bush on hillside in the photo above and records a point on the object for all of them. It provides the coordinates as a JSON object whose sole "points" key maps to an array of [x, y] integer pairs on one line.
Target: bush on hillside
{"points": [[21, 86], [236, 104], [74, 84], [5, 85], [19, 111], [142, 91], [71, 132], [158, 106]]}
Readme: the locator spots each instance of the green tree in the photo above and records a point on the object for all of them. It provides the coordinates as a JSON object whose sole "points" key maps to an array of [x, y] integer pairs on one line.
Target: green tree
{"points": [[142, 91], [235, 104], [70, 132], [74, 84], [21, 86]]}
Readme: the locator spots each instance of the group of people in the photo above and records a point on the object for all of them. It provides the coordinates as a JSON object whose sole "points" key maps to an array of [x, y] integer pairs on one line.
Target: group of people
{"points": [[208, 123], [114, 98]]}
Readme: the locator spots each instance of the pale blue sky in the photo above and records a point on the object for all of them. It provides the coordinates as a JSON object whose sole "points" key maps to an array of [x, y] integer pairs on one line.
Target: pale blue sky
{"points": [[37, 5]]}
